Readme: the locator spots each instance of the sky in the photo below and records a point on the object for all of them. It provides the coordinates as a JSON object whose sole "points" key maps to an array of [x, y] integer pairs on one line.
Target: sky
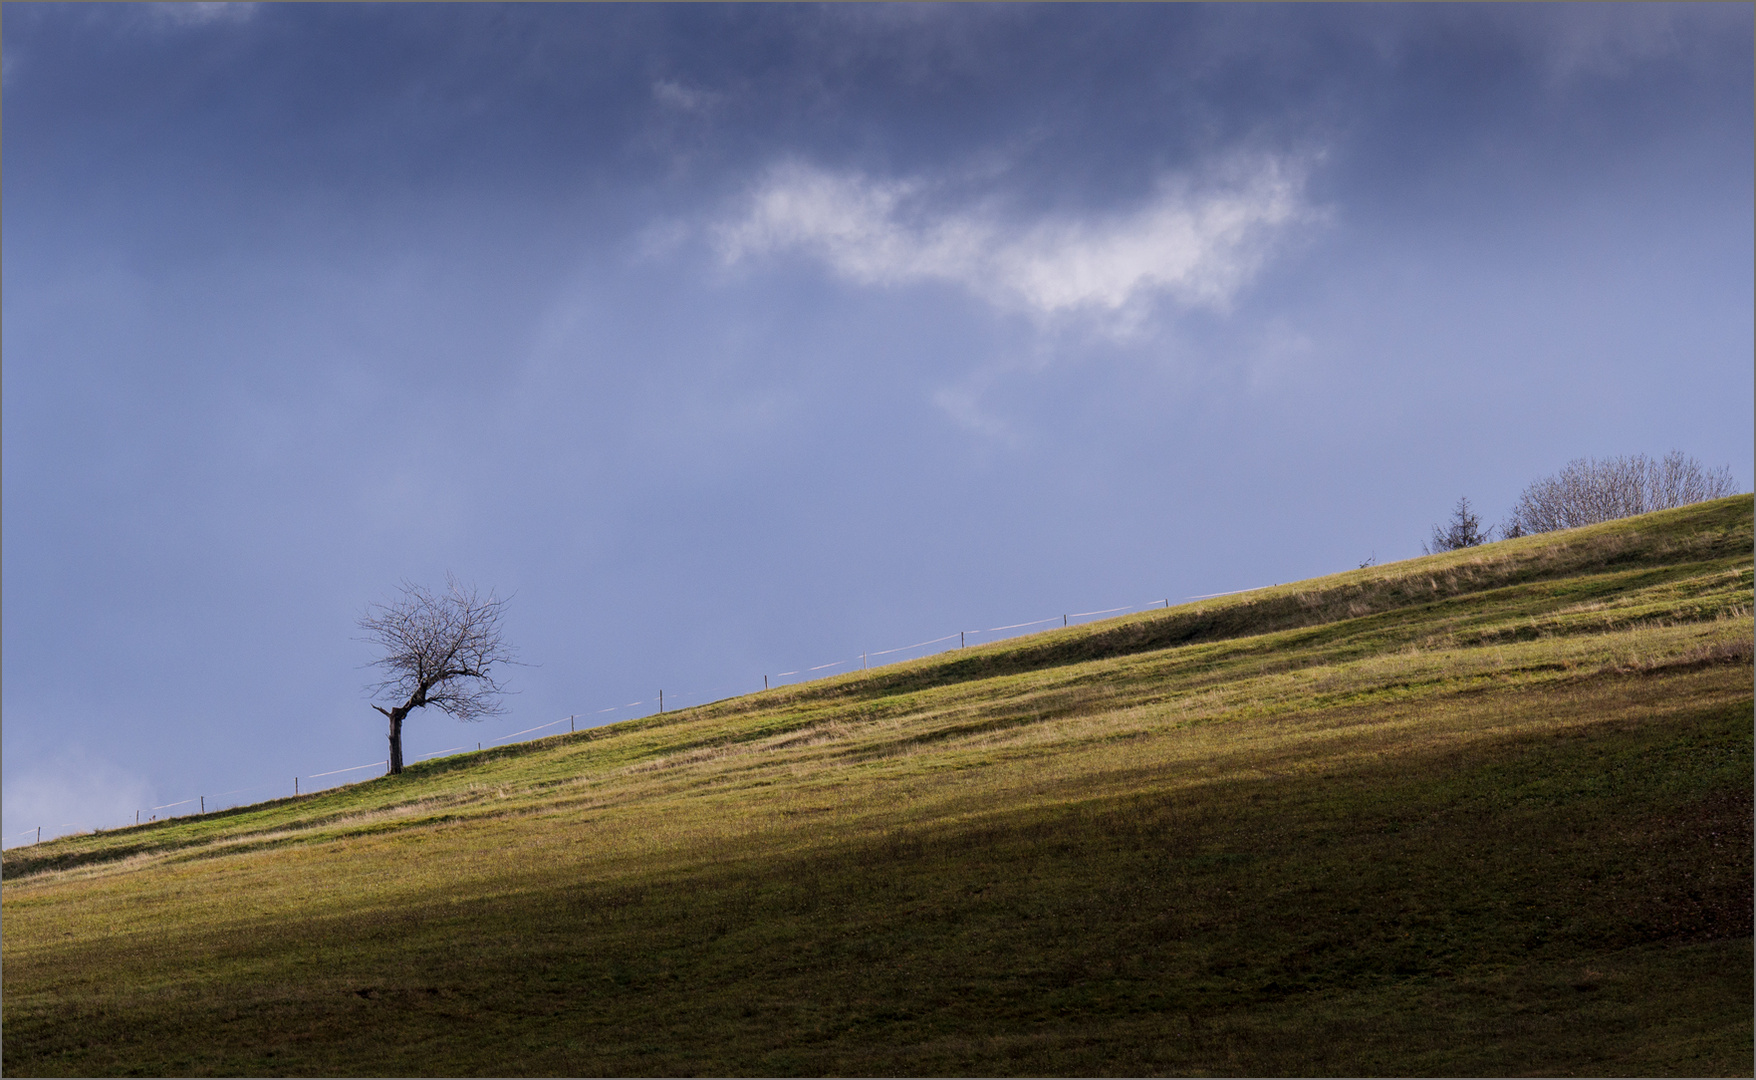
{"points": [[734, 341]]}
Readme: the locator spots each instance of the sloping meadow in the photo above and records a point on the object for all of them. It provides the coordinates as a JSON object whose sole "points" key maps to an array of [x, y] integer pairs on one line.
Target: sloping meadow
{"points": [[1481, 812]]}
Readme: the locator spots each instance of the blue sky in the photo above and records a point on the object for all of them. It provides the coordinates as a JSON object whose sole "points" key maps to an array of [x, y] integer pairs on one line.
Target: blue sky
{"points": [[732, 341]]}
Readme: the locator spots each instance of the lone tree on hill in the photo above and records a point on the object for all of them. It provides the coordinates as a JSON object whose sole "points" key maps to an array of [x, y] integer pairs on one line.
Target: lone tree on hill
{"points": [[1465, 531], [1588, 491], [440, 649]]}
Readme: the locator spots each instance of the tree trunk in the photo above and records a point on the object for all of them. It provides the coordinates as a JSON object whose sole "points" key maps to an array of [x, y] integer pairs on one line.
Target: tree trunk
{"points": [[396, 716]]}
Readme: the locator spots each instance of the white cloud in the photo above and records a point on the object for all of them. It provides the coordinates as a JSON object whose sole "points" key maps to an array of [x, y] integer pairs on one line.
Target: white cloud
{"points": [[661, 238], [675, 95], [963, 404], [1198, 244], [71, 794], [1575, 41], [202, 14]]}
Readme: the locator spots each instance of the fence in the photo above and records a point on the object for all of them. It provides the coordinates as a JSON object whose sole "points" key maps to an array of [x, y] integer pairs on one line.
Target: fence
{"points": [[700, 697]]}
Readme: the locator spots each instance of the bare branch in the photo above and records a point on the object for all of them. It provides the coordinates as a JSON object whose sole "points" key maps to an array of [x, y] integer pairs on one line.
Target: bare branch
{"points": [[440, 649]]}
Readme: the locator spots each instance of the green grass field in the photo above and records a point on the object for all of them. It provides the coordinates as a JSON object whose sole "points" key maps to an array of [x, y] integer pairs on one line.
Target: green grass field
{"points": [[1486, 812]]}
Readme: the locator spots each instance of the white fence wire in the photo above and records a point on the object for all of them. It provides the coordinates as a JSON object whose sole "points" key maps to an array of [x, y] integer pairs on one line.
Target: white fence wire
{"points": [[700, 697]]}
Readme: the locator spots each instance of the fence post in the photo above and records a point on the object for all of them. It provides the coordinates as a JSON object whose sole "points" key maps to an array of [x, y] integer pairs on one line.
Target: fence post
{"points": [[570, 725], [204, 804], [661, 701], [39, 834], [295, 785]]}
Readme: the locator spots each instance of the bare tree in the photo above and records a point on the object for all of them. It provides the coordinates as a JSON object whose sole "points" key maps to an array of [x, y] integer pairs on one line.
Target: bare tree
{"points": [[1588, 491], [1465, 531], [440, 649]]}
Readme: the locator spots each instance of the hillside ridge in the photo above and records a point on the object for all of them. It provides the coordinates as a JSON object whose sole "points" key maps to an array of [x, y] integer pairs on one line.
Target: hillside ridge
{"points": [[1486, 812], [1617, 558]]}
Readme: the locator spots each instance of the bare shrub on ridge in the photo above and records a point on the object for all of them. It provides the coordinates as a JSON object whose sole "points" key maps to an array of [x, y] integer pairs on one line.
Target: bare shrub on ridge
{"points": [[1589, 491], [1465, 531]]}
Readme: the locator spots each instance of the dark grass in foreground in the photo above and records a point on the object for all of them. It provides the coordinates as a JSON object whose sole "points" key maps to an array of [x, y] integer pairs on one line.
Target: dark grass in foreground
{"points": [[1488, 812]]}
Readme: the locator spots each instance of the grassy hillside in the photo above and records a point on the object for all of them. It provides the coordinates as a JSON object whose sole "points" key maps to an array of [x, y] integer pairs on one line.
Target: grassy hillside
{"points": [[1483, 812]]}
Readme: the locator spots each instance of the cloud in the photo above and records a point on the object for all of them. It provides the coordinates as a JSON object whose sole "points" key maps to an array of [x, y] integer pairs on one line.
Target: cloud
{"points": [[675, 95], [202, 14], [1198, 244], [963, 404], [72, 793], [1571, 42]]}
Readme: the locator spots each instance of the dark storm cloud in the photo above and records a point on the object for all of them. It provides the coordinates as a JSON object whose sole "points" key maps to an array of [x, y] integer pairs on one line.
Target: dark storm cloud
{"points": [[385, 98], [190, 134]]}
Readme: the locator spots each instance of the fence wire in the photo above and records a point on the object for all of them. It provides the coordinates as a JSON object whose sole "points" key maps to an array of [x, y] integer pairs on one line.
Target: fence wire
{"points": [[864, 660]]}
